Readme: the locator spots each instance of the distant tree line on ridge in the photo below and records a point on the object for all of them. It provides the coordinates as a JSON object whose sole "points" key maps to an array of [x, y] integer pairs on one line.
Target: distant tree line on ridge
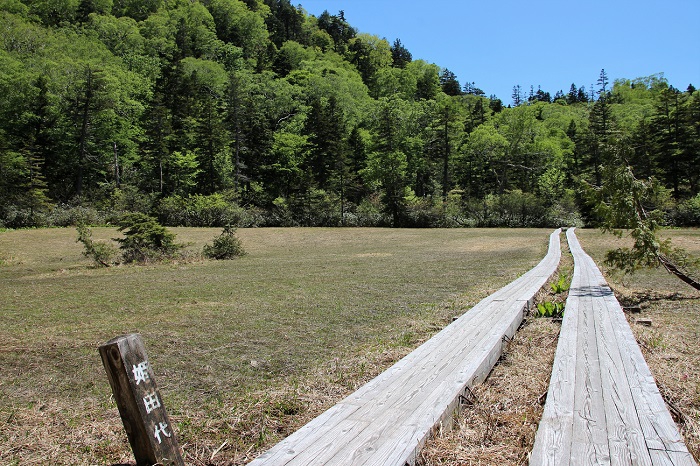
{"points": [[255, 113]]}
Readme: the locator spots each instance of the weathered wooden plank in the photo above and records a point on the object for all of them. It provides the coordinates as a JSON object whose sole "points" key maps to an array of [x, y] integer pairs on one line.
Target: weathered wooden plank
{"points": [[661, 458], [309, 437], [651, 414], [398, 444], [618, 414], [589, 440], [331, 449], [589, 435], [660, 431], [388, 419], [625, 436], [374, 397], [553, 440], [426, 378], [411, 433], [385, 430], [394, 393], [429, 365], [455, 339], [671, 458], [625, 440]]}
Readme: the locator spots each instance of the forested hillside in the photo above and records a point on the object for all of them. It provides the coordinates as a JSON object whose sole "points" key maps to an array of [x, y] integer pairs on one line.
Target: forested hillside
{"points": [[253, 112]]}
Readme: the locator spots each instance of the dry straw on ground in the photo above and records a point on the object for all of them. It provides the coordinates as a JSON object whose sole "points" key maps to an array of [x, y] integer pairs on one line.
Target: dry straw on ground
{"points": [[55, 407], [498, 426]]}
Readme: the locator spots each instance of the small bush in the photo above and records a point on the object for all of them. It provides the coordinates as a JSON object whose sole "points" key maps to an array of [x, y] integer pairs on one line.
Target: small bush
{"points": [[314, 208], [145, 239], [74, 214], [12, 216], [104, 254], [130, 199], [214, 210], [687, 213], [369, 214], [226, 246], [422, 213], [554, 306]]}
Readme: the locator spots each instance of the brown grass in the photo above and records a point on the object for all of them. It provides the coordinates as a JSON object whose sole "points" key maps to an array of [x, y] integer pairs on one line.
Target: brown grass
{"points": [[499, 427], [245, 351]]}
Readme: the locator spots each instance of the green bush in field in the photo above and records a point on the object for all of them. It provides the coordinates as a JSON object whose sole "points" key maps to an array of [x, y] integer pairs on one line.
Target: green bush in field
{"points": [[104, 254], [226, 246], [145, 239], [688, 212]]}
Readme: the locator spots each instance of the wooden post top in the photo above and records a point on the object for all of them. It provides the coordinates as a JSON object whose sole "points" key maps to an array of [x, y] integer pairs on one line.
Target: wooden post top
{"points": [[141, 408]]}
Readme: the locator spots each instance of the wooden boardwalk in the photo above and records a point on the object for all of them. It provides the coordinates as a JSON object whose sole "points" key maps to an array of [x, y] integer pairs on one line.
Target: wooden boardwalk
{"points": [[603, 406], [387, 421]]}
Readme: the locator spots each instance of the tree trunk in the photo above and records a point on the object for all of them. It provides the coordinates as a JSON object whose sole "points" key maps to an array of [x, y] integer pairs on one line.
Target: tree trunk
{"points": [[446, 158], [85, 124], [116, 166], [673, 269]]}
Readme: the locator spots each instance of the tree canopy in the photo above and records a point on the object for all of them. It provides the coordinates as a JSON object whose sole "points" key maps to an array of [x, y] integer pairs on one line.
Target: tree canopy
{"points": [[255, 112]]}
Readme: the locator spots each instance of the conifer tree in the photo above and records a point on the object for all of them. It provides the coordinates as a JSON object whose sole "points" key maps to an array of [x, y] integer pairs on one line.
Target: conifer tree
{"points": [[572, 96], [325, 127], [400, 55], [449, 83], [627, 204], [517, 95]]}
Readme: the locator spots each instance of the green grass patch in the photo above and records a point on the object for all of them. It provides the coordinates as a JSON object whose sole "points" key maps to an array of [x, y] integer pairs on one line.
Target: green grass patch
{"points": [[244, 351]]}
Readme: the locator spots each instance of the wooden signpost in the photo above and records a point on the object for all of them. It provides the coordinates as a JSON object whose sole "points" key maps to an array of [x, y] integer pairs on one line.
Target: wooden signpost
{"points": [[140, 405]]}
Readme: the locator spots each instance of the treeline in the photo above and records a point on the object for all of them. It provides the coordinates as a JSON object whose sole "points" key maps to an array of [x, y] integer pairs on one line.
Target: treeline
{"points": [[253, 112]]}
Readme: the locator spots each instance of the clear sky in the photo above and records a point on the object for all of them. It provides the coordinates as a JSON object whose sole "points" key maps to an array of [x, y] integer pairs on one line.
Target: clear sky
{"points": [[552, 43]]}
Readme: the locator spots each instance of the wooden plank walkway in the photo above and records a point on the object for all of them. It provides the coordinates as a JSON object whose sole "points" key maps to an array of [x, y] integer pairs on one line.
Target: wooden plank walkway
{"points": [[603, 406], [388, 420]]}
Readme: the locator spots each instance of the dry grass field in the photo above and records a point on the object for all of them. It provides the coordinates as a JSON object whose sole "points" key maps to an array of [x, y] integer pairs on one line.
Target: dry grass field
{"points": [[244, 351], [498, 427]]}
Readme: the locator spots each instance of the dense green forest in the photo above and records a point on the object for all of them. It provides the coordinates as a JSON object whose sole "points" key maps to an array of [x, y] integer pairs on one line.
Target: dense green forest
{"points": [[255, 113]]}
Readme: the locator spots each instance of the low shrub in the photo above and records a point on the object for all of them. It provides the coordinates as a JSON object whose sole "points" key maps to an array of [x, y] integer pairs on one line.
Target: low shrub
{"points": [[369, 214], [561, 285], [550, 309], [225, 246], [74, 214], [554, 307], [103, 253], [129, 199], [687, 213], [214, 210], [145, 239]]}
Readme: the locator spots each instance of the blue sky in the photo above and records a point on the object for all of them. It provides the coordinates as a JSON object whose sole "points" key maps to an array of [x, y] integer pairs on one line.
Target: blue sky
{"points": [[552, 43]]}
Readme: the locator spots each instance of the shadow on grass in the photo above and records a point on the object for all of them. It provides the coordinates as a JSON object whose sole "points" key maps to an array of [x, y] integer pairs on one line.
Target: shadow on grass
{"points": [[635, 299]]}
